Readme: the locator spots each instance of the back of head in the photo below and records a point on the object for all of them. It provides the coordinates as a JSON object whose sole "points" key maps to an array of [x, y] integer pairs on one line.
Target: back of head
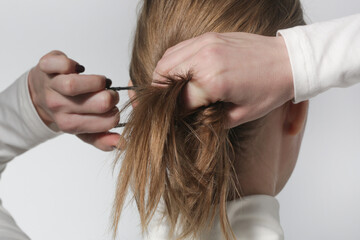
{"points": [[187, 159]]}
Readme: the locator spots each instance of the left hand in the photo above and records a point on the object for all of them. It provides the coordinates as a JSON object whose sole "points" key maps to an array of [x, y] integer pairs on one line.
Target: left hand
{"points": [[73, 103]]}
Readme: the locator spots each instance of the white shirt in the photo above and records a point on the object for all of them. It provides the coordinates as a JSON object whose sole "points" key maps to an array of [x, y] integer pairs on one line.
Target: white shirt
{"points": [[322, 55]]}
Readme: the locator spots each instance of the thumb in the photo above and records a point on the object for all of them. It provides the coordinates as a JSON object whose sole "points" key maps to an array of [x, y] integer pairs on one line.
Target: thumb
{"points": [[194, 96], [56, 62]]}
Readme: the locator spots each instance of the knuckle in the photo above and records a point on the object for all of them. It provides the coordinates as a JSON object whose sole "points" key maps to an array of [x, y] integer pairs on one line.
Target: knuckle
{"points": [[106, 101], [204, 56], [56, 53], [69, 86], [210, 55], [211, 50], [160, 62], [210, 37], [161, 65], [167, 51], [52, 104], [44, 62]]}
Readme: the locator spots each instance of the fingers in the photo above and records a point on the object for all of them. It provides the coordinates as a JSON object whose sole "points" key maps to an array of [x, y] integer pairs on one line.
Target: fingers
{"points": [[87, 123], [74, 84], [105, 141], [92, 103], [79, 104], [168, 62], [182, 69], [173, 57], [57, 62], [166, 66], [182, 52]]}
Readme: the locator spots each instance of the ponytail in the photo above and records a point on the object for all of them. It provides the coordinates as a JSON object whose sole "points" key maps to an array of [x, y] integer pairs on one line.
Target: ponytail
{"points": [[184, 158]]}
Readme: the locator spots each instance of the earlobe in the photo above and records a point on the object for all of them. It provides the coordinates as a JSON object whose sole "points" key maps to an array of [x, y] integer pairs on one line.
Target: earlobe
{"points": [[295, 117]]}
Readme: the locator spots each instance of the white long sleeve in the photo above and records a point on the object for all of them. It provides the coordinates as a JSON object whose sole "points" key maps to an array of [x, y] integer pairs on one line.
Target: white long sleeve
{"points": [[324, 55], [252, 218], [20, 129]]}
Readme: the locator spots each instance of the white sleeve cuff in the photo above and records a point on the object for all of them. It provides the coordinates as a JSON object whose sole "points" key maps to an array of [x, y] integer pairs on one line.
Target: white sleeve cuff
{"points": [[300, 60], [324, 55]]}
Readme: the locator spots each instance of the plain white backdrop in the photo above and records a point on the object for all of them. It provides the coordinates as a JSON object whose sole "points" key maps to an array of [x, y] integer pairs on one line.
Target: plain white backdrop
{"points": [[63, 189]]}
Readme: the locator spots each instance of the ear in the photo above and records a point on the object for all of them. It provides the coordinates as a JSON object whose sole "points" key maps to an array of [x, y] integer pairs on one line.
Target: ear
{"points": [[295, 117], [131, 93]]}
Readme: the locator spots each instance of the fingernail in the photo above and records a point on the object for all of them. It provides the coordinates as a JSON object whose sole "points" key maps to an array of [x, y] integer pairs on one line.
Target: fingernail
{"points": [[79, 68], [115, 110], [108, 83]]}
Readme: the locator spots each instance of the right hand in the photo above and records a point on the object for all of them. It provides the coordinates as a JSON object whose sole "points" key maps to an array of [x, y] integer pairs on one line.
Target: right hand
{"points": [[251, 72], [73, 103]]}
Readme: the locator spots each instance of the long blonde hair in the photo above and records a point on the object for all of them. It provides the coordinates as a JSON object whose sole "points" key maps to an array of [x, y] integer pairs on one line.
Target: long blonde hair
{"points": [[187, 159]]}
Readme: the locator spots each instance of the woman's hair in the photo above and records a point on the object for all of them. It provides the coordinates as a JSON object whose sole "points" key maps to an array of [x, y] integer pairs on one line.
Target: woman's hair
{"points": [[187, 160]]}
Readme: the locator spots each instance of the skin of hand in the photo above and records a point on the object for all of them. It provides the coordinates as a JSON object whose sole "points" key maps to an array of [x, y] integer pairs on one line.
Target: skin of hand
{"points": [[74, 103], [251, 72]]}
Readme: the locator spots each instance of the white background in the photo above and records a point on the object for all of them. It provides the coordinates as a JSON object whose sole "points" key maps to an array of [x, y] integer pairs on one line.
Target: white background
{"points": [[63, 189]]}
